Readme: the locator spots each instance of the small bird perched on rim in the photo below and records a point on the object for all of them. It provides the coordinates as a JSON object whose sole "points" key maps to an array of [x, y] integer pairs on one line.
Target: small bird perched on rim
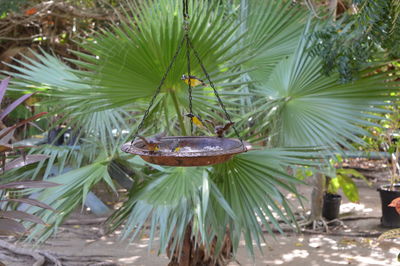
{"points": [[220, 130], [152, 143], [196, 120], [194, 81], [175, 146]]}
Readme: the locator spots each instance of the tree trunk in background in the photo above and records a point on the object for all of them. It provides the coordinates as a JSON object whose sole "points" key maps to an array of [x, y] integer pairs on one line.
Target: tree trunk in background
{"points": [[317, 196], [319, 180]]}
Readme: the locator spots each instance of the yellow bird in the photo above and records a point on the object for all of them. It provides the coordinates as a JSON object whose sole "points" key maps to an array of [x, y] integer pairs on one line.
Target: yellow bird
{"points": [[175, 146], [193, 80], [177, 149], [196, 120], [152, 143]]}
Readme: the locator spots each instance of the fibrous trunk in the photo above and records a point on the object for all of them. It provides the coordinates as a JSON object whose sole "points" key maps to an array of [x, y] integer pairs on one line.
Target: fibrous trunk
{"points": [[317, 195], [193, 254]]}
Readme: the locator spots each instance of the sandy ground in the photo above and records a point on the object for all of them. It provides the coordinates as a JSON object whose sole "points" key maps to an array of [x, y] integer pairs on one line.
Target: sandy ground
{"points": [[84, 244]]}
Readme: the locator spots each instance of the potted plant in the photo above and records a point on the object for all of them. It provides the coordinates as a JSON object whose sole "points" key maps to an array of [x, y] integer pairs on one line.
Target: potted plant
{"points": [[341, 180], [331, 206], [393, 233], [389, 192]]}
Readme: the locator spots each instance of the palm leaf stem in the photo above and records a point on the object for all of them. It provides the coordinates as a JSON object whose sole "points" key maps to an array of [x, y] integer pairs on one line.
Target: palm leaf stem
{"points": [[178, 113]]}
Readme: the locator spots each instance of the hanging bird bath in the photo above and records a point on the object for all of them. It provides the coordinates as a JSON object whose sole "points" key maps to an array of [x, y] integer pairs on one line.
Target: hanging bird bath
{"points": [[188, 150], [193, 151]]}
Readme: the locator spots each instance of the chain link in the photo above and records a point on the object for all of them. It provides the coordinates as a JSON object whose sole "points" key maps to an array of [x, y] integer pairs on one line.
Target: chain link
{"points": [[146, 113], [215, 91], [186, 28], [189, 81]]}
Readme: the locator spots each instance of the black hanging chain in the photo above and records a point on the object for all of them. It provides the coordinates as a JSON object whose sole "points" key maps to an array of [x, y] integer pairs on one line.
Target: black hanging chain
{"points": [[186, 28], [189, 46], [189, 83], [215, 92], [146, 113], [185, 8]]}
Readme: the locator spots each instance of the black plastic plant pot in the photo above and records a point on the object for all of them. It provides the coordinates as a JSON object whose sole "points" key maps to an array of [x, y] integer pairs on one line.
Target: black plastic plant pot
{"points": [[331, 207], [390, 218]]}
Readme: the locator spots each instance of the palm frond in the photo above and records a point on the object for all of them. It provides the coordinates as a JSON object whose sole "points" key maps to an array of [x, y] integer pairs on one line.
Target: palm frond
{"points": [[132, 57], [178, 198], [315, 110], [73, 190], [253, 185], [273, 30], [61, 85]]}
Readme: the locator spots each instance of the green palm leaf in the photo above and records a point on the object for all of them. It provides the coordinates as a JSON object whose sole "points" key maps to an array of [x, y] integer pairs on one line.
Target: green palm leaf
{"points": [[66, 93], [73, 191], [179, 197], [274, 29], [252, 184], [131, 58], [313, 109]]}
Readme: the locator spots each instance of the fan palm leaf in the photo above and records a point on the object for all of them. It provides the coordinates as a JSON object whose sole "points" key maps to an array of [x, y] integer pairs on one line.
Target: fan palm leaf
{"points": [[311, 109], [59, 84], [132, 57], [187, 202], [74, 188], [274, 29]]}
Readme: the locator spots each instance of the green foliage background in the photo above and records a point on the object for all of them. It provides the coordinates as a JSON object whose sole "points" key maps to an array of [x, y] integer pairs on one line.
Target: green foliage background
{"points": [[272, 84]]}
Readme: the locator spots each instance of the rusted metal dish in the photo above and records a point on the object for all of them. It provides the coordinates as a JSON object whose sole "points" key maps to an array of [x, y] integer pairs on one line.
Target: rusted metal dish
{"points": [[193, 151]]}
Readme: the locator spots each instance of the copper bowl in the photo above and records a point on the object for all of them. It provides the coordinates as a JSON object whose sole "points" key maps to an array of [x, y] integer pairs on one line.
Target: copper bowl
{"points": [[194, 151]]}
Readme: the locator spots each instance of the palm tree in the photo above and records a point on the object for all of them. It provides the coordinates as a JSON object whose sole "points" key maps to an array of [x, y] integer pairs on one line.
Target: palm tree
{"points": [[311, 109], [197, 212]]}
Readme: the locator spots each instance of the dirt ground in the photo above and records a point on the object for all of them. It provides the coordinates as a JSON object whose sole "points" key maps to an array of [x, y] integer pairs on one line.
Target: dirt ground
{"points": [[79, 244]]}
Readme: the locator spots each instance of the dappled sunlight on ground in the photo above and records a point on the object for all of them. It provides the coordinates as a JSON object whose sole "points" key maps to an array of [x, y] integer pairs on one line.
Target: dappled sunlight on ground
{"points": [[327, 250], [296, 253], [354, 207], [129, 260]]}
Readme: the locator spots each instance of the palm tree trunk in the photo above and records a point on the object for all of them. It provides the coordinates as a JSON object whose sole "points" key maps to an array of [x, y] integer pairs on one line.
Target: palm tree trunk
{"points": [[193, 254], [317, 195], [183, 258]]}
